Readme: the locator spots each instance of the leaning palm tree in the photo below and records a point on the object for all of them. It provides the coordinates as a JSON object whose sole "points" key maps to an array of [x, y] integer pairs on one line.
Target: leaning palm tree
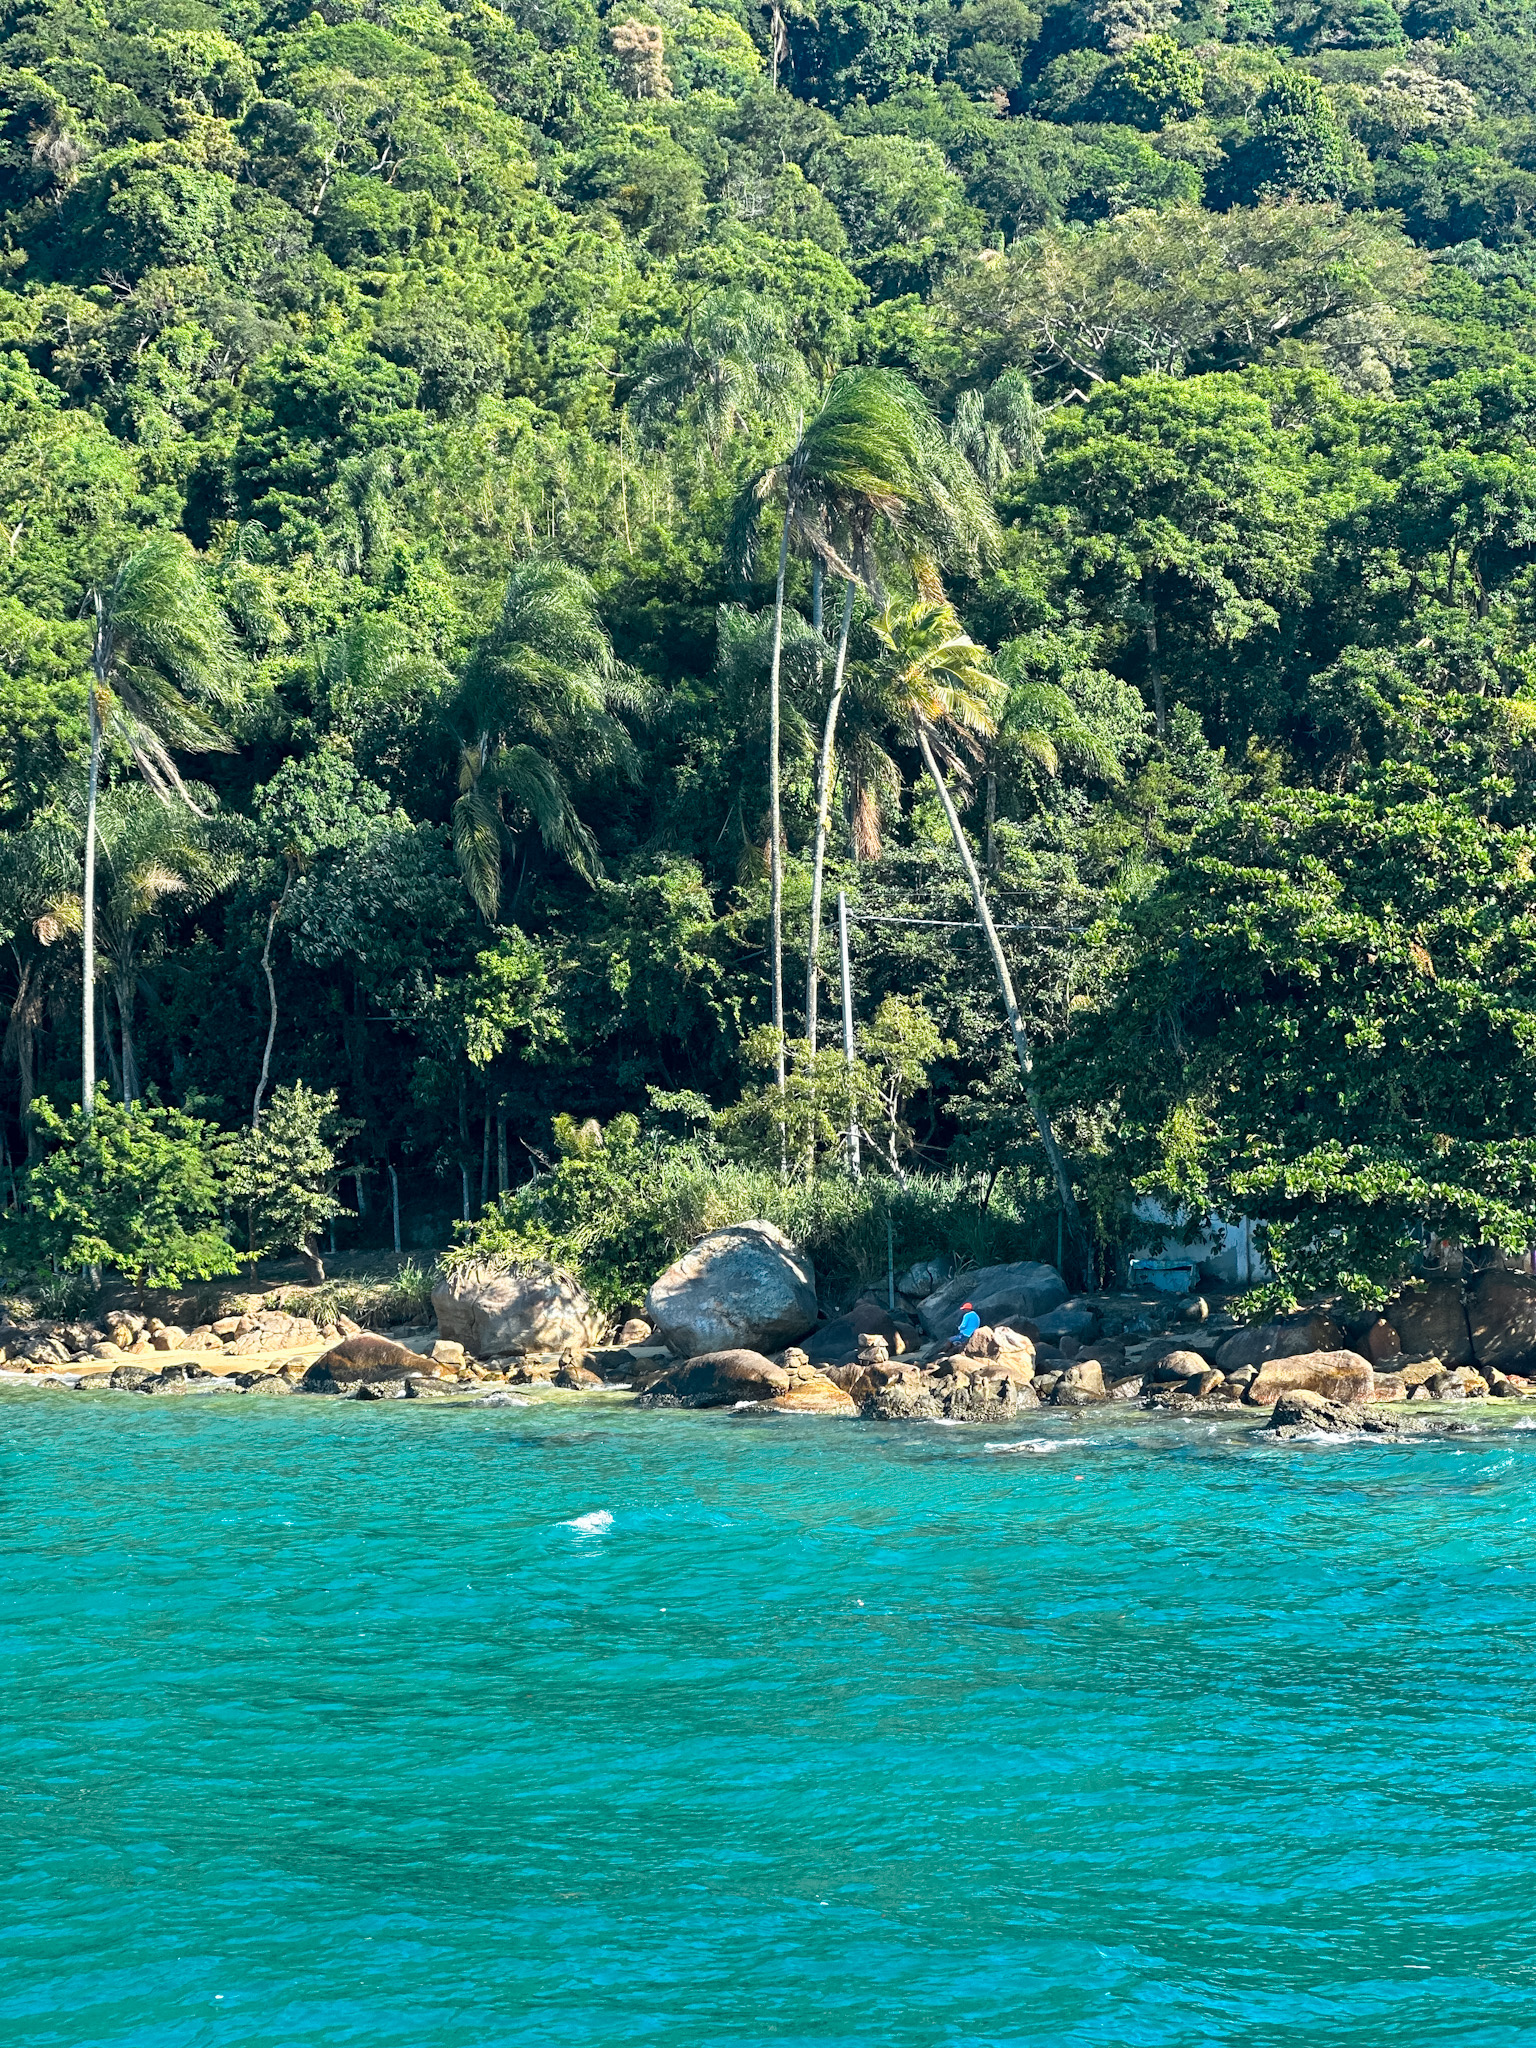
{"points": [[162, 661], [537, 707], [941, 685]]}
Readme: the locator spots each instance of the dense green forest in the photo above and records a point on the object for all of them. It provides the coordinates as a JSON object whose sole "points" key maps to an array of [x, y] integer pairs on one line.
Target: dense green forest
{"points": [[439, 372]]}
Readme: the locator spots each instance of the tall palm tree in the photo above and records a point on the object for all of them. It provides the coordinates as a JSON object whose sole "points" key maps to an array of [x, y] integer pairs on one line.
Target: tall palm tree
{"points": [[942, 686], [537, 706], [162, 661], [154, 857], [941, 512], [732, 365], [868, 454]]}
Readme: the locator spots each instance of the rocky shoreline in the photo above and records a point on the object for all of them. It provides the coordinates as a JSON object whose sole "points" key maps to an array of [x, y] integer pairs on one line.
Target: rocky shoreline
{"points": [[735, 1324]]}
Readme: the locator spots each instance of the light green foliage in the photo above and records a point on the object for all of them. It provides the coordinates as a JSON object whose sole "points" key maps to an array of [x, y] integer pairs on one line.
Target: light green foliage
{"points": [[510, 989], [284, 1171], [136, 1190]]}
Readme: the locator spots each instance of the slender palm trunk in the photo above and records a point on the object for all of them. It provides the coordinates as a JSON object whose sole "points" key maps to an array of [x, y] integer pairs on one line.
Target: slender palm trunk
{"points": [[823, 814], [776, 850], [394, 1203], [88, 917], [1021, 1049]]}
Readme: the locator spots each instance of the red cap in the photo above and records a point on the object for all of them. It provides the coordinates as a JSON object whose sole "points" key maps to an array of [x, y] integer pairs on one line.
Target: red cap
{"points": [[964, 1306]]}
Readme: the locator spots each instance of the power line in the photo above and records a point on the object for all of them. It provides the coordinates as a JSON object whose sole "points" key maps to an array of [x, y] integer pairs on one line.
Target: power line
{"points": [[962, 924]]}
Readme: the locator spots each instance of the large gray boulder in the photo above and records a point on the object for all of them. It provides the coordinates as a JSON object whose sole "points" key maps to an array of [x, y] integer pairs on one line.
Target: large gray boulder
{"points": [[742, 1288], [996, 1293], [536, 1307]]}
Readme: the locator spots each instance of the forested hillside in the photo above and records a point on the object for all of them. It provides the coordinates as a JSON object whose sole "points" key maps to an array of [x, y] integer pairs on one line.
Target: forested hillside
{"points": [[468, 348]]}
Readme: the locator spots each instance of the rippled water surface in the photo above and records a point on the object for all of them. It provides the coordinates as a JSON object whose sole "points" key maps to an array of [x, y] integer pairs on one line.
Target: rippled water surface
{"points": [[327, 1723]]}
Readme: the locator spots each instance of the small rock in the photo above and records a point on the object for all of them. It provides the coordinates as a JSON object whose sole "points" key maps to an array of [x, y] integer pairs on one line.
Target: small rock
{"points": [[572, 1375], [636, 1330], [1127, 1389], [445, 1352], [380, 1390], [1194, 1308], [265, 1383], [1080, 1386]]}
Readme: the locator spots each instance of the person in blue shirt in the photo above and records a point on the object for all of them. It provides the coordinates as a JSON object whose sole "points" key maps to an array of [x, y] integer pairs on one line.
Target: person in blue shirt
{"points": [[970, 1323]]}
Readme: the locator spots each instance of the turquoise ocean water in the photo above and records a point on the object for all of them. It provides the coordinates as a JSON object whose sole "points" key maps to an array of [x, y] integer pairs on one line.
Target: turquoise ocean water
{"points": [[327, 1723]]}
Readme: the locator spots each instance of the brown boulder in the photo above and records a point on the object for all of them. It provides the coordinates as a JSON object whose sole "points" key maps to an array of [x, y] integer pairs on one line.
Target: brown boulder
{"points": [[1382, 1342], [1293, 1337], [1501, 1316], [359, 1362], [1390, 1386], [572, 1375], [1429, 1317], [1335, 1375], [717, 1379], [814, 1395], [1420, 1371], [1080, 1386]]}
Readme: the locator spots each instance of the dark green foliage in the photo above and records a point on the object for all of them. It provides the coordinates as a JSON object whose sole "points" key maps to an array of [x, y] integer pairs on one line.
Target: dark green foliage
{"points": [[453, 337]]}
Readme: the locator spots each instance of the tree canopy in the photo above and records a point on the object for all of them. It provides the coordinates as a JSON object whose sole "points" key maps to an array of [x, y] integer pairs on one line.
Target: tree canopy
{"points": [[398, 407]]}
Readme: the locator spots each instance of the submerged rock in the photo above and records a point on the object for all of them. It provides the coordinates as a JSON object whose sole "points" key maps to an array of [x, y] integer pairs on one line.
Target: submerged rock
{"points": [[1299, 1412], [746, 1287]]}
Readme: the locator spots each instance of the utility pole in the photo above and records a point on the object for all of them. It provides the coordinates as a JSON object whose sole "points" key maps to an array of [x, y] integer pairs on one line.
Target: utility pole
{"points": [[853, 1113]]}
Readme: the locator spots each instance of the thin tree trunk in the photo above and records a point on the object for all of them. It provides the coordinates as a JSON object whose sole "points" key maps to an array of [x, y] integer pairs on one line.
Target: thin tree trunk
{"points": [[266, 968], [991, 821], [1021, 1049], [501, 1155], [114, 1064], [123, 989], [776, 851], [88, 916], [485, 1163], [823, 814], [394, 1203], [362, 1195], [464, 1177]]}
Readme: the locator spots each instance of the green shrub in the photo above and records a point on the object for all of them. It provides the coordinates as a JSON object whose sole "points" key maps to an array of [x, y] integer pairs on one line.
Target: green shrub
{"points": [[620, 1205]]}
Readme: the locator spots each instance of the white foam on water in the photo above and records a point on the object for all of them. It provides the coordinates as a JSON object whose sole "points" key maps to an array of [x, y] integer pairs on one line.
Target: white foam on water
{"points": [[1032, 1447], [598, 1523], [501, 1399]]}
